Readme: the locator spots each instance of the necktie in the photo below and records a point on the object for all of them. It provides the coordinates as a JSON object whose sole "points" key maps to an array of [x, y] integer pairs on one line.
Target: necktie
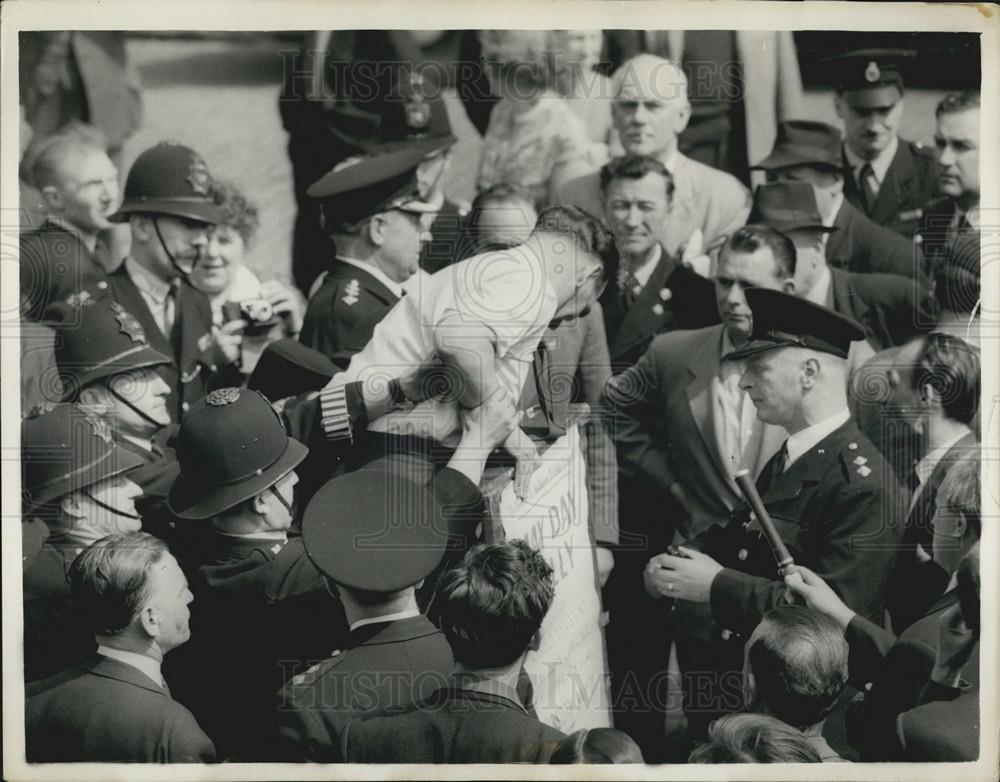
{"points": [[771, 471], [540, 367], [867, 186], [628, 288]]}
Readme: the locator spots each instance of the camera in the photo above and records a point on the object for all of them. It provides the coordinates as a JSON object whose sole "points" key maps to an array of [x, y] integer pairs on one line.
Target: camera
{"points": [[257, 314]]}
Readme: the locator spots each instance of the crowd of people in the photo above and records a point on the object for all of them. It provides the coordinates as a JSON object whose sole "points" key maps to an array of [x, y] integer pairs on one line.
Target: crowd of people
{"points": [[255, 530]]}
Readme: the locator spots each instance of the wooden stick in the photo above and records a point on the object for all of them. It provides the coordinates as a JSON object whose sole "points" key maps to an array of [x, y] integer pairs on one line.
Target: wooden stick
{"points": [[781, 553]]}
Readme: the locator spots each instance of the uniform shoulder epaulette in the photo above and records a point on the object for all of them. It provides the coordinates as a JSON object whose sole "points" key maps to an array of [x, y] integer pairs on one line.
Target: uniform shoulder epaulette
{"points": [[858, 465], [315, 672], [462, 207]]}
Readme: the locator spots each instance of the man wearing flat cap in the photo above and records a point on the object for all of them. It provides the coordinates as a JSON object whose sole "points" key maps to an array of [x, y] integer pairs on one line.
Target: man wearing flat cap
{"points": [[75, 482], [889, 307], [810, 151], [169, 206], [890, 179], [833, 500], [377, 536], [261, 606], [374, 209]]}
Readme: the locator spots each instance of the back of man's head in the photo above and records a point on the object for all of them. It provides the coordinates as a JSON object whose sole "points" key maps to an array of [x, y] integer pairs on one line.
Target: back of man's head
{"points": [[586, 233], [754, 738], [110, 580], [951, 367], [491, 605], [798, 658]]}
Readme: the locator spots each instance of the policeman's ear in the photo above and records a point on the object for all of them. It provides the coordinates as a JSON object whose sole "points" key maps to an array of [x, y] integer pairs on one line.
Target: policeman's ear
{"points": [[259, 503], [839, 105], [53, 198], [377, 228], [788, 286], [810, 372], [93, 398], [72, 506], [142, 227]]}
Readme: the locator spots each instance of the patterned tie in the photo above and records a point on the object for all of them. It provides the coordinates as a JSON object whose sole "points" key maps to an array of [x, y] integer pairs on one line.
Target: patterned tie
{"points": [[868, 193], [628, 288], [771, 471]]}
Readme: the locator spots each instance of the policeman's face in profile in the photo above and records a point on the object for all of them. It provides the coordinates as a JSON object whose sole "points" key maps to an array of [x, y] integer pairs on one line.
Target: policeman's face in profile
{"points": [[183, 239], [772, 380], [826, 184], [87, 191], [100, 501], [224, 252], [167, 614], [957, 142], [142, 389], [867, 131], [738, 271], [650, 109], [400, 236], [637, 210]]}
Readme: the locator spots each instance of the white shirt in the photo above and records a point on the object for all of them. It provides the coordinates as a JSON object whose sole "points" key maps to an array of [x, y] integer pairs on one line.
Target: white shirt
{"points": [[375, 272], [404, 614], [925, 466], [880, 164], [154, 292], [505, 290], [644, 272], [738, 430], [144, 664], [801, 442]]}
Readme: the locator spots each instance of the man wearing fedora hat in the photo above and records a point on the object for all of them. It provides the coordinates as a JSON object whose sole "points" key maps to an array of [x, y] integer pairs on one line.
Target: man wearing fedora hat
{"points": [[810, 151], [887, 306], [262, 607], [169, 206], [833, 500], [381, 538], [75, 482], [889, 179], [374, 209]]}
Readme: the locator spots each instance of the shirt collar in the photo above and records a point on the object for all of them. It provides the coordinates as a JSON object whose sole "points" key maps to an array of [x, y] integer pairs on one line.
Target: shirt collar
{"points": [[670, 161], [139, 442], [880, 164], [644, 272], [144, 664], [375, 272], [146, 281], [931, 459], [89, 241], [800, 442], [404, 614]]}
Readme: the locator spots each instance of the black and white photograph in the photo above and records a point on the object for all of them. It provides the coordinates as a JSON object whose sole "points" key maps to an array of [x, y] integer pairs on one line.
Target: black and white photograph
{"points": [[485, 399]]}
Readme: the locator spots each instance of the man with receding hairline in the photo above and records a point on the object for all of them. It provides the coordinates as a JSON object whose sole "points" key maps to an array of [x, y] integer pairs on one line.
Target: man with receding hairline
{"points": [[650, 108]]}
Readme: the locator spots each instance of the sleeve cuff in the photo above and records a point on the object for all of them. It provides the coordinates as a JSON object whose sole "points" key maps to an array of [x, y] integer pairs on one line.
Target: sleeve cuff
{"points": [[335, 419]]}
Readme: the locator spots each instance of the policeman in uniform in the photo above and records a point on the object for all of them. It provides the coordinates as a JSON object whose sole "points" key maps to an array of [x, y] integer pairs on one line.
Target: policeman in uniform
{"points": [[74, 481], [890, 179], [169, 206], [106, 364], [834, 501], [261, 607], [394, 654], [379, 219]]}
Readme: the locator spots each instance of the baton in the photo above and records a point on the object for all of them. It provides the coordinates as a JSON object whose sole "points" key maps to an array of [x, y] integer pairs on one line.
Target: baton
{"points": [[781, 553]]}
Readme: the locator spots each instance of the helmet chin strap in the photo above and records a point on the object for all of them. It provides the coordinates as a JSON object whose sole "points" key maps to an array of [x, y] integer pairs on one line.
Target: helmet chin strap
{"points": [[134, 409], [281, 499], [108, 508], [186, 275]]}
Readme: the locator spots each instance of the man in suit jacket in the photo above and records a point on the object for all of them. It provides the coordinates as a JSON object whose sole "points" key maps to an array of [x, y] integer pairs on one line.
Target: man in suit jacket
{"points": [[78, 184], [169, 206], [889, 307], [809, 151], [946, 220], [649, 109], [653, 292], [117, 708], [889, 179], [395, 655], [770, 85], [830, 495], [75, 484], [379, 220], [490, 623], [936, 388], [683, 427]]}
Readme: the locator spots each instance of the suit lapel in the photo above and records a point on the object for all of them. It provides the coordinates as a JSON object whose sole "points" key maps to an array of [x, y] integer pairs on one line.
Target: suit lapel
{"points": [[704, 363], [899, 180], [811, 466], [643, 319], [129, 297]]}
